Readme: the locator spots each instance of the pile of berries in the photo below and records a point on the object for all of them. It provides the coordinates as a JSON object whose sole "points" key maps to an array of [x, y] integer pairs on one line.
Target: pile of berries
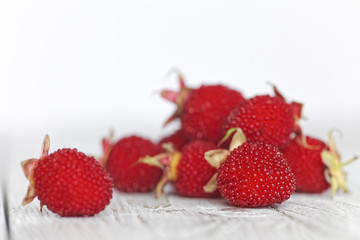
{"points": [[250, 151]]}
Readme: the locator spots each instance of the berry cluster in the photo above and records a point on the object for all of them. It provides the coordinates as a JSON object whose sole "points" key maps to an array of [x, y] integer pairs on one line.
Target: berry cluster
{"points": [[250, 151]]}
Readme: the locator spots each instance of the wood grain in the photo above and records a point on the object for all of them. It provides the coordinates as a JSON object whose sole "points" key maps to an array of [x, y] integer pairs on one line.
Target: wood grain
{"points": [[141, 216]]}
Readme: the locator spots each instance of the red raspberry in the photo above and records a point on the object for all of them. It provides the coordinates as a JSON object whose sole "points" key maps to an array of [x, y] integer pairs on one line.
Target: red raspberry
{"points": [[120, 161], [307, 164], [68, 182], [263, 119], [188, 169], [193, 171], [250, 174], [255, 175], [311, 160], [203, 110]]}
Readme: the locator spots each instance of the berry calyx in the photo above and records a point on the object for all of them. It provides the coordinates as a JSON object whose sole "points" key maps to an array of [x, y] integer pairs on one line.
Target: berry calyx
{"points": [[332, 160], [265, 119], [252, 174], [303, 154], [179, 98], [28, 169], [316, 165], [203, 110], [217, 156], [188, 170], [167, 162], [68, 182], [296, 109], [120, 161]]}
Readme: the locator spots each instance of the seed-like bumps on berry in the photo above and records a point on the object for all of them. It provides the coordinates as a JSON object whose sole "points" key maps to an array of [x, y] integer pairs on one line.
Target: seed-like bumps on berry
{"points": [[263, 119], [255, 175], [307, 165], [206, 109], [193, 171], [127, 173], [202, 110], [68, 182]]}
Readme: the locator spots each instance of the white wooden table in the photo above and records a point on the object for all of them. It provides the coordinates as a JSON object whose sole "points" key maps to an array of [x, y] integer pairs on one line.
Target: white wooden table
{"points": [[73, 69], [141, 216]]}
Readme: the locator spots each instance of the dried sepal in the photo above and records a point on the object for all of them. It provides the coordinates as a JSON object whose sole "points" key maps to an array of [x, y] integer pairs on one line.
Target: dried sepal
{"points": [[301, 140], [28, 167], [168, 147], [179, 74], [211, 186], [30, 195], [170, 95], [296, 107], [107, 145], [227, 135], [276, 91], [238, 139], [331, 159], [168, 162], [160, 185], [174, 162], [45, 147], [216, 157], [155, 161], [179, 98]]}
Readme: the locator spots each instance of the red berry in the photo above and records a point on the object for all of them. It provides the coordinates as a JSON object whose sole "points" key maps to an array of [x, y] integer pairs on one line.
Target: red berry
{"points": [[255, 175], [206, 109], [177, 139], [307, 165], [311, 159], [68, 182], [121, 164], [193, 171], [188, 169], [203, 110], [263, 119]]}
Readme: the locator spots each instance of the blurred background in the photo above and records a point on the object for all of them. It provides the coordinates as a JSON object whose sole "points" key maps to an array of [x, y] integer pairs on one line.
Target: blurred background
{"points": [[75, 69]]}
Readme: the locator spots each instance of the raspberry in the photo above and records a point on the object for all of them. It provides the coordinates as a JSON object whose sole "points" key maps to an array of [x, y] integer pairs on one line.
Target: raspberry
{"points": [[202, 110], [312, 160], [250, 174], [307, 164], [255, 175], [188, 169], [68, 182], [263, 119], [194, 171], [120, 161]]}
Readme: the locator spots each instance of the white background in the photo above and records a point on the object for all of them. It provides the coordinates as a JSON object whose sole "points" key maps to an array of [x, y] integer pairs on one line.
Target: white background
{"points": [[74, 69]]}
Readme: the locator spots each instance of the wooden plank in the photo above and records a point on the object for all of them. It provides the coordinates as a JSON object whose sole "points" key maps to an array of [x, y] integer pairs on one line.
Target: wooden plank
{"points": [[2, 217], [141, 216], [4, 170]]}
